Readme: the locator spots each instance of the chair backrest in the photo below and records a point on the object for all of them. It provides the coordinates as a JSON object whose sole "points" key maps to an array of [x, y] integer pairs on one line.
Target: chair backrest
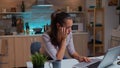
{"points": [[35, 47]]}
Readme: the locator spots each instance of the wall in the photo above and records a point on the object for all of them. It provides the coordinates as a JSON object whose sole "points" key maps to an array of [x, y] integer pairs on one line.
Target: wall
{"points": [[111, 22]]}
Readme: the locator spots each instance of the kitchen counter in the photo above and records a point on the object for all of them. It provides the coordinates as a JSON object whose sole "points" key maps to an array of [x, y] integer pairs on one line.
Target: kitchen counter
{"points": [[24, 35], [19, 47]]}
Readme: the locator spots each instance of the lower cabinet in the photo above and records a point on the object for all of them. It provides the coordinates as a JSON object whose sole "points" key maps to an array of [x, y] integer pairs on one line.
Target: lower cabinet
{"points": [[80, 44], [19, 49], [22, 49], [7, 59]]}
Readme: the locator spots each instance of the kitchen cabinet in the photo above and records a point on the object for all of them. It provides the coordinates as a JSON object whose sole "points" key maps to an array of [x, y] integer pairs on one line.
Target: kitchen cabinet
{"points": [[22, 49], [7, 60], [80, 43]]}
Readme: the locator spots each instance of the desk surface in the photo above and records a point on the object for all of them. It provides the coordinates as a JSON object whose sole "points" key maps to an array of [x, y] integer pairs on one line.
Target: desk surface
{"points": [[69, 63]]}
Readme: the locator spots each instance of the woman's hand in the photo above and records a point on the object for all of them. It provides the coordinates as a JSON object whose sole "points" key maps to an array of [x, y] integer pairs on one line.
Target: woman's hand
{"points": [[62, 34], [83, 59]]}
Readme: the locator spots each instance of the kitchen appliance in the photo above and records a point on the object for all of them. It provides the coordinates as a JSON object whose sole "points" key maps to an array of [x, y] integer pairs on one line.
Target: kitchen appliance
{"points": [[37, 30], [77, 27]]}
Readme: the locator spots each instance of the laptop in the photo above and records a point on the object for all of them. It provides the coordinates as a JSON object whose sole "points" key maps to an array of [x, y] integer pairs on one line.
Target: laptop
{"points": [[107, 61]]}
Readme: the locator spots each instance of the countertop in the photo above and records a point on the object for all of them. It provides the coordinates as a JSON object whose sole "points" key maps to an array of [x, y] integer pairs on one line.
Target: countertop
{"points": [[24, 35]]}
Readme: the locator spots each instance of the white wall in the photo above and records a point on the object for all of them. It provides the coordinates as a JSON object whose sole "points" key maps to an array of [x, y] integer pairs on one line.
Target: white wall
{"points": [[111, 21]]}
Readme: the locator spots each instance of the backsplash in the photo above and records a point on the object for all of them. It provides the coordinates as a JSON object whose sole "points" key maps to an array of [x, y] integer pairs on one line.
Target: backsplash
{"points": [[38, 17]]}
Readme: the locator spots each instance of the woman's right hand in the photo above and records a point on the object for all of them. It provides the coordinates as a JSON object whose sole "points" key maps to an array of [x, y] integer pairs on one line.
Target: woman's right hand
{"points": [[62, 34]]}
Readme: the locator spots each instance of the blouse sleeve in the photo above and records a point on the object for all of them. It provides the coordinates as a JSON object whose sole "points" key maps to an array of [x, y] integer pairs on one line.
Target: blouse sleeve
{"points": [[70, 46], [49, 46]]}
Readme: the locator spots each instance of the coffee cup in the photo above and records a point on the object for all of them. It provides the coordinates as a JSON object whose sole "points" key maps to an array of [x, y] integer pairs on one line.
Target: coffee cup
{"points": [[56, 64]]}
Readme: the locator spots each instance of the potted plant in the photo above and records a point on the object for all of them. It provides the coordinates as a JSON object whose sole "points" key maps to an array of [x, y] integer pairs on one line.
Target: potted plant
{"points": [[38, 60]]}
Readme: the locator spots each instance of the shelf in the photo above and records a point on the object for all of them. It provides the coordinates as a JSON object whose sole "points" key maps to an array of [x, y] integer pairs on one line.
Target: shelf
{"points": [[96, 29], [98, 9], [15, 13], [99, 28], [99, 45], [90, 10], [77, 12], [6, 13]]}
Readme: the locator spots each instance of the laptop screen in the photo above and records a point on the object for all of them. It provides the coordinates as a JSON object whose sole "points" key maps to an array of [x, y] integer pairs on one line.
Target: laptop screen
{"points": [[110, 57]]}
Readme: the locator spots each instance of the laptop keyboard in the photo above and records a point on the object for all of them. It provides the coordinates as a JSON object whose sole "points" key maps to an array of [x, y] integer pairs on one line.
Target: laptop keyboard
{"points": [[94, 65], [84, 64]]}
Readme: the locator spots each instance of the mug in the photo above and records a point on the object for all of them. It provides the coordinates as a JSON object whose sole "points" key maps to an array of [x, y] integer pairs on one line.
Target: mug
{"points": [[56, 64]]}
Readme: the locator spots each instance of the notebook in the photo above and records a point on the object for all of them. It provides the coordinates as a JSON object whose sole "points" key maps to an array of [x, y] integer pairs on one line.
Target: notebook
{"points": [[108, 60]]}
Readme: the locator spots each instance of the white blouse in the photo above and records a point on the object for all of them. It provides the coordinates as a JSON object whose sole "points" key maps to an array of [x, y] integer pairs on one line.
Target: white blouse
{"points": [[52, 51]]}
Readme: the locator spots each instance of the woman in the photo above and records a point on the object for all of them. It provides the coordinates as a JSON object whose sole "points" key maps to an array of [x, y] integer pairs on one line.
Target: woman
{"points": [[59, 38]]}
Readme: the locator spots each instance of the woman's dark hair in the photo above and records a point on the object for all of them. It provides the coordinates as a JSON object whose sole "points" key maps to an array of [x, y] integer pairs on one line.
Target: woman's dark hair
{"points": [[57, 17]]}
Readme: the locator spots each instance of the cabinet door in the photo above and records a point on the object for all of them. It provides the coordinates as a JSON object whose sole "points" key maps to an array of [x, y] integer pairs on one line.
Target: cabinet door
{"points": [[39, 39], [19, 51], [22, 49], [11, 52], [27, 53], [80, 43], [8, 59]]}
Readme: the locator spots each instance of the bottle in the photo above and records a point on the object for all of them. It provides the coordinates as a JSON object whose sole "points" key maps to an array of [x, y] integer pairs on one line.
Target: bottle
{"points": [[20, 26], [22, 7], [79, 8], [44, 28], [27, 27], [14, 20]]}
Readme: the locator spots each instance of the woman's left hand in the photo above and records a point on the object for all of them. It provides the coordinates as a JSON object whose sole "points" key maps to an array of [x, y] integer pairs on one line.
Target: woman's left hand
{"points": [[84, 59]]}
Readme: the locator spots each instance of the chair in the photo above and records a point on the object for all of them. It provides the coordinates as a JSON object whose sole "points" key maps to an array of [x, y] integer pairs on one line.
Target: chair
{"points": [[35, 47]]}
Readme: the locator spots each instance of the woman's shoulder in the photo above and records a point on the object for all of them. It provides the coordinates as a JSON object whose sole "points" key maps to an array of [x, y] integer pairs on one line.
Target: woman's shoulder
{"points": [[70, 35], [45, 35]]}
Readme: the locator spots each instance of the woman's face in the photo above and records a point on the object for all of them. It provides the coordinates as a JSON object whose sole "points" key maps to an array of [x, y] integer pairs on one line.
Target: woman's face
{"points": [[68, 25]]}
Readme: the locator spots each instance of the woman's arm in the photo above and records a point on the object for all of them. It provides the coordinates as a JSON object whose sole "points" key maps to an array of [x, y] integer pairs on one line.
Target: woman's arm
{"points": [[56, 54], [61, 51], [62, 35], [52, 51], [80, 58], [72, 51], [49, 47]]}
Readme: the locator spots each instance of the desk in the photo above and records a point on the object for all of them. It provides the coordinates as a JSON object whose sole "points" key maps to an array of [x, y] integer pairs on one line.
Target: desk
{"points": [[68, 63]]}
